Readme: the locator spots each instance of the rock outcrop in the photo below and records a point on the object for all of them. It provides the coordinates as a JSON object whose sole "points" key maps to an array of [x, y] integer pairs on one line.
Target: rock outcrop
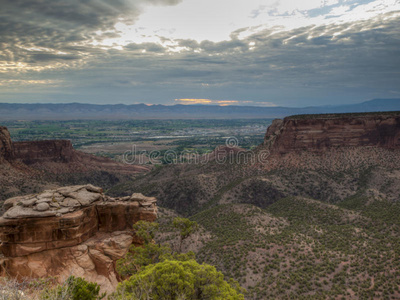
{"points": [[48, 150], [6, 146], [318, 133], [74, 230], [56, 155], [48, 153], [27, 167]]}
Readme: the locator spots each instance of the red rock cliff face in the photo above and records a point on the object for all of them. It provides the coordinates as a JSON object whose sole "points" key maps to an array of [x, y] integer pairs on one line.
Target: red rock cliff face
{"points": [[70, 231], [6, 145], [48, 150], [320, 132], [58, 156]]}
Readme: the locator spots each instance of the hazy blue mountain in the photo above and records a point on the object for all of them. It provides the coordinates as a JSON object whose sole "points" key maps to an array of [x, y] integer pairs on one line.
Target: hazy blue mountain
{"points": [[37, 111]]}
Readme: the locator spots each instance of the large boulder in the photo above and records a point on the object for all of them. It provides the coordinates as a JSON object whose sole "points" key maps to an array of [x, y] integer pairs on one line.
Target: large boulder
{"points": [[52, 202]]}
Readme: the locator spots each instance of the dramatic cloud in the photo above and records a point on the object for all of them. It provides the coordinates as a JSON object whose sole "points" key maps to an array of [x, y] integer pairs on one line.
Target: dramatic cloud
{"points": [[36, 31], [251, 52]]}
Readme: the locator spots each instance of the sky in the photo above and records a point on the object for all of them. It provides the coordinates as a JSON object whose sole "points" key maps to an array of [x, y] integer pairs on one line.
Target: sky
{"points": [[224, 52]]}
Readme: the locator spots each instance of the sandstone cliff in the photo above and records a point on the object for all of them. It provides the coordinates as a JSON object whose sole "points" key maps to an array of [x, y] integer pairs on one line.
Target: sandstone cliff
{"points": [[74, 230], [6, 146], [28, 167], [318, 133], [39, 153], [48, 150], [46, 154]]}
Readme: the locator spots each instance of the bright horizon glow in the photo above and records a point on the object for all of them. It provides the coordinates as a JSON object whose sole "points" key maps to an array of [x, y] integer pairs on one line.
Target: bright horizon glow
{"points": [[186, 101]]}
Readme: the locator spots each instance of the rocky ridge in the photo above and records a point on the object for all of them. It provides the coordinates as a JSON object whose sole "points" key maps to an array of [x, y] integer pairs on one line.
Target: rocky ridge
{"points": [[6, 147], [75, 230], [47, 150], [51, 154], [317, 133], [29, 167]]}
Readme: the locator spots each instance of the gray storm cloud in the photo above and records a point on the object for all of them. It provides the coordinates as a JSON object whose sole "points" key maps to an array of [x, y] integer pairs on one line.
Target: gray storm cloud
{"points": [[57, 29], [55, 42]]}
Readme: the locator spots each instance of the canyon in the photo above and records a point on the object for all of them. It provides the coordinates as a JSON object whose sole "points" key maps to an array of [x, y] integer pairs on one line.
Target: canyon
{"points": [[306, 221], [328, 183], [63, 231], [31, 166], [59, 157], [319, 156], [47, 153]]}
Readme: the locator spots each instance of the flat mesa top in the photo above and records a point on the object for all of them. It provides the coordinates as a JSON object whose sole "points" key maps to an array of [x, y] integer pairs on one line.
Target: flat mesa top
{"points": [[344, 115], [64, 200]]}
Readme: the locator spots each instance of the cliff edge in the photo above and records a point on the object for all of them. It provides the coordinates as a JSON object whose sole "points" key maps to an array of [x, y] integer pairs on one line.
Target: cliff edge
{"points": [[75, 230], [6, 145], [318, 133], [31, 166]]}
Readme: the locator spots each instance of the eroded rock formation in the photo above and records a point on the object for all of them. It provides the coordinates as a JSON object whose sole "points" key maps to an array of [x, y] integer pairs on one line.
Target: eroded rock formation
{"points": [[32, 166], [55, 155], [47, 153], [320, 132], [74, 230], [48, 150], [6, 146]]}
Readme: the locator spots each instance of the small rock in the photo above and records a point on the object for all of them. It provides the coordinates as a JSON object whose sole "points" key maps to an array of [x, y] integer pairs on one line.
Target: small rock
{"points": [[12, 201], [19, 212], [46, 194], [41, 200], [28, 202], [69, 202], [58, 197], [135, 203], [54, 204], [42, 206], [86, 198], [68, 190], [63, 210], [141, 198], [147, 203], [94, 189]]}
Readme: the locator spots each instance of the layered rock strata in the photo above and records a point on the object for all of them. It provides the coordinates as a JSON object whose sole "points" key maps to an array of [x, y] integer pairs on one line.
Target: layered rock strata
{"points": [[74, 230], [55, 155], [318, 133], [49, 150], [6, 146]]}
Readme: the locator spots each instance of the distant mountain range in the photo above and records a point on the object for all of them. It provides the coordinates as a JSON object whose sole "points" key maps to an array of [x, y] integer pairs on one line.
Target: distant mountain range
{"points": [[74, 111]]}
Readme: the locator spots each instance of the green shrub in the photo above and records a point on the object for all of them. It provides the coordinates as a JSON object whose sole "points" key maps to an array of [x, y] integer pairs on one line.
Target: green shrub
{"points": [[173, 279], [74, 288]]}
